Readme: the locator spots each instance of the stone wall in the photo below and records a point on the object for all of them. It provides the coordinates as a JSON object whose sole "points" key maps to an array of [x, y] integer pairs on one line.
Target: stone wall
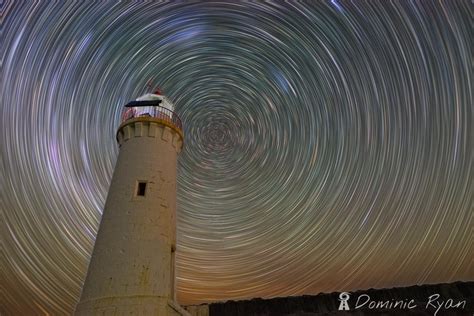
{"points": [[456, 299]]}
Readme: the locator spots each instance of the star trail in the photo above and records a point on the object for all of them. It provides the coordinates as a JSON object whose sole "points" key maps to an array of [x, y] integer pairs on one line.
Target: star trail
{"points": [[328, 144]]}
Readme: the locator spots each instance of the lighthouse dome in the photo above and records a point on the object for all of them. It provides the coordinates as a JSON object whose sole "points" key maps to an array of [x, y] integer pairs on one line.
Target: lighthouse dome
{"points": [[152, 97], [154, 105]]}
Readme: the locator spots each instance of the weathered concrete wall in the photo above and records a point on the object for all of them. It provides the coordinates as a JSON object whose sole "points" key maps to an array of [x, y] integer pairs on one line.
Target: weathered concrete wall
{"points": [[132, 265], [327, 304]]}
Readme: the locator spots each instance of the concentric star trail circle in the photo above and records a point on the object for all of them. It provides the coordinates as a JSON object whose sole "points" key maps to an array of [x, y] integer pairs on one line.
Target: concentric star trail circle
{"points": [[328, 145]]}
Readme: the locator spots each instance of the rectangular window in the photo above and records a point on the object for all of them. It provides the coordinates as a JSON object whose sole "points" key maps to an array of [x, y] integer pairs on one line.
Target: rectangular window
{"points": [[141, 188]]}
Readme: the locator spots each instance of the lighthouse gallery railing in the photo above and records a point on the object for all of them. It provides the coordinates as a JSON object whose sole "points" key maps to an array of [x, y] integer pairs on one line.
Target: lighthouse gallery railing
{"points": [[152, 111]]}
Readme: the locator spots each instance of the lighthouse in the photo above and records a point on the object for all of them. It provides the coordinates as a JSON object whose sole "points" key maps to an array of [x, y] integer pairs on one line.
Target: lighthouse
{"points": [[132, 268]]}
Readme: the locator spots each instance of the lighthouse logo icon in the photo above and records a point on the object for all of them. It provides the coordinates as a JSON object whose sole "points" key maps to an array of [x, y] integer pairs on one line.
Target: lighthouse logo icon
{"points": [[343, 298]]}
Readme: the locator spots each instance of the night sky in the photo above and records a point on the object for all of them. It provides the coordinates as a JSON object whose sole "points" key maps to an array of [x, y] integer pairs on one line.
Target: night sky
{"points": [[328, 145]]}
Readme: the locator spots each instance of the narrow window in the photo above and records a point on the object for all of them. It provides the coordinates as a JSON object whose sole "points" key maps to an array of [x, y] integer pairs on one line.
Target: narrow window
{"points": [[141, 188], [172, 272]]}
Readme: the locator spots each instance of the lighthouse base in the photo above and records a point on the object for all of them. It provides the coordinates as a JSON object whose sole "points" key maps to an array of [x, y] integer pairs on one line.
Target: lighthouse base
{"points": [[135, 305]]}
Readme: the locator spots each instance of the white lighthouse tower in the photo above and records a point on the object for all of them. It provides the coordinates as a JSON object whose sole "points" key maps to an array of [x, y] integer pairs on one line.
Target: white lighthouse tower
{"points": [[132, 269]]}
